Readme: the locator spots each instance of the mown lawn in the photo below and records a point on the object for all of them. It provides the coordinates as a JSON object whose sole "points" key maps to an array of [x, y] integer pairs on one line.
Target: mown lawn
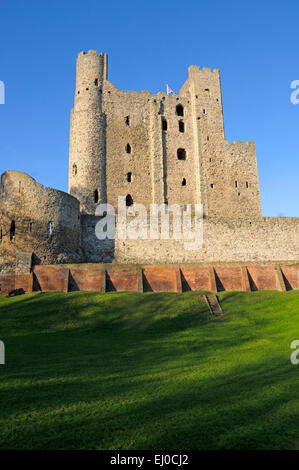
{"points": [[149, 371]]}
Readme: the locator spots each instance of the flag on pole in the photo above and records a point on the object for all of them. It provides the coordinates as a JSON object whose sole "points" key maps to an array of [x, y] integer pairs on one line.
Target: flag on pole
{"points": [[169, 90]]}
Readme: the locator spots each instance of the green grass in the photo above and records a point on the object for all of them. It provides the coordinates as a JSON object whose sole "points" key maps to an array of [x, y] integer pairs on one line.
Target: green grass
{"points": [[149, 371]]}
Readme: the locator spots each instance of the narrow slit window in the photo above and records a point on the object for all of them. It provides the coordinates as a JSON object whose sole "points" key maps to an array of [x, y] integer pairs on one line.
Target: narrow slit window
{"points": [[184, 183], [30, 227], [164, 125], [96, 196], [129, 177], [247, 184], [96, 82], [75, 169], [181, 126], [180, 110], [50, 229], [181, 153], [12, 230], [129, 200], [128, 148], [236, 184], [212, 185], [127, 121]]}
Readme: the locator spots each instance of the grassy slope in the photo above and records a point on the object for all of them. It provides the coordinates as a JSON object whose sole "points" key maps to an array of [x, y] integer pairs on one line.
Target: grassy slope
{"points": [[151, 371]]}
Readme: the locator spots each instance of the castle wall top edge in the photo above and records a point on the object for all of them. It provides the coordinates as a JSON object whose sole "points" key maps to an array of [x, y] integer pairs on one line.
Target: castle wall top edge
{"points": [[19, 175], [91, 52]]}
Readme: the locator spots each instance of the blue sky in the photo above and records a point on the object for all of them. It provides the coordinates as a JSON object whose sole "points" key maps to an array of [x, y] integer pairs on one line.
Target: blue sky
{"points": [[151, 43]]}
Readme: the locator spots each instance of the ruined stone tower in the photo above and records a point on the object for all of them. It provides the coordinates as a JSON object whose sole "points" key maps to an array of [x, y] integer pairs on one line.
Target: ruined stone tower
{"points": [[87, 133], [157, 148]]}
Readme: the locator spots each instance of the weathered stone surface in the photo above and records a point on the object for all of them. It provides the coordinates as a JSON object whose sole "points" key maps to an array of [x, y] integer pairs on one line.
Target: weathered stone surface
{"points": [[105, 120], [128, 144], [37, 220]]}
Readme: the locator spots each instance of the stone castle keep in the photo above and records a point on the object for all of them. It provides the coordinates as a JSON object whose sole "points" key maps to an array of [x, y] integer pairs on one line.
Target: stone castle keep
{"points": [[157, 148], [148, 149]]}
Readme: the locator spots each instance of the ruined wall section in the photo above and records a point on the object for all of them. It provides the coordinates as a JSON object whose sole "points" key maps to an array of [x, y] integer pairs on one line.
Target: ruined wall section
{"points": [[234, 168], [179, 151], [37, 219], [143, 138], [128, 145], [87, 161], [224, 240], [228, 178]]}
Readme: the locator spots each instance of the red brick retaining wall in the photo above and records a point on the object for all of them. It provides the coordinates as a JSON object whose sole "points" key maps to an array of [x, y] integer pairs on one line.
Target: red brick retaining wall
{"points": [[109, 277]]}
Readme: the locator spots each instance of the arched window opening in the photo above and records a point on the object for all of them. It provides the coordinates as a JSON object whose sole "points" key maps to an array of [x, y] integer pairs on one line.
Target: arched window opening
{"points": [[180, 110], [129, 200], [184, 182], [181, 126], [75, 169], [164, 124], [129, 177], [181, 154], [212, 185], [96, 196], [12, 230], [128, 148]]}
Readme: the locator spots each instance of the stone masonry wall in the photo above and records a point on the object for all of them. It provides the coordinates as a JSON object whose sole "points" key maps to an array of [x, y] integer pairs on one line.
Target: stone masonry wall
{"points": [[157, 148], [228, 172], [224, 240], [39, 220]]}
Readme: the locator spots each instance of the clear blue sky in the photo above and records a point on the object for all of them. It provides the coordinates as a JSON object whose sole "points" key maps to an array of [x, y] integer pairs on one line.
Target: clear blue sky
{"points": [[151, 43]]}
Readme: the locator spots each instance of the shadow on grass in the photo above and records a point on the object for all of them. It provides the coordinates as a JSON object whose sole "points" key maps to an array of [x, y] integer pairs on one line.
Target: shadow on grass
{"points": [[151, 371]]}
